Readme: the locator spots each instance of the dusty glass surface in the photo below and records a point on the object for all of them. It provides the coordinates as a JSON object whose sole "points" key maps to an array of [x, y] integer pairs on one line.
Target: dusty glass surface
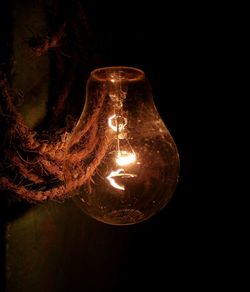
{"points": [[135, 158]]}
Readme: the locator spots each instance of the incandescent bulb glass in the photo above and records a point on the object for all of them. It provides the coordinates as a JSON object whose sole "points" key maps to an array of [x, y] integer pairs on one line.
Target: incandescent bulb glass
{"points": [[122, 163]]}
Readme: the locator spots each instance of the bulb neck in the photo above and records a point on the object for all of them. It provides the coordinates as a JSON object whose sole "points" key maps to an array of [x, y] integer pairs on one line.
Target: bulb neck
{"points": [[117, 73]]}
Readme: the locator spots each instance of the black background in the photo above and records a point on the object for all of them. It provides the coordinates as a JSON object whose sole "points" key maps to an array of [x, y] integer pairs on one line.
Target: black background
{"points": [[180, 46], [177, 46]]}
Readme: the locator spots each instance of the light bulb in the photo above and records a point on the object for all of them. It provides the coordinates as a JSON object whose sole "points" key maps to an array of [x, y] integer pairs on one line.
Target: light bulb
{"points": [[122, 163]]}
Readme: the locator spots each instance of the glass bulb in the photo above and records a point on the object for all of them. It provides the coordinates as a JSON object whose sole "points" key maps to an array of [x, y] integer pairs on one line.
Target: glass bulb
{"points": [[122, 163]]}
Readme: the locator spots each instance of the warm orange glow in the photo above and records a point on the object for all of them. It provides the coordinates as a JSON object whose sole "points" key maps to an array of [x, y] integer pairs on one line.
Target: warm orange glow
{"points": [[110, 119], [113, 125], [112, 181], [125, 158], [118, 173]]}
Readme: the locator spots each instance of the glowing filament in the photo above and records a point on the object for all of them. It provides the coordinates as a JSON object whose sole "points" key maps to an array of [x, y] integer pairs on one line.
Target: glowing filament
{"points": [[118, 124], [118, 173], [125, 158], [113, 126]]}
